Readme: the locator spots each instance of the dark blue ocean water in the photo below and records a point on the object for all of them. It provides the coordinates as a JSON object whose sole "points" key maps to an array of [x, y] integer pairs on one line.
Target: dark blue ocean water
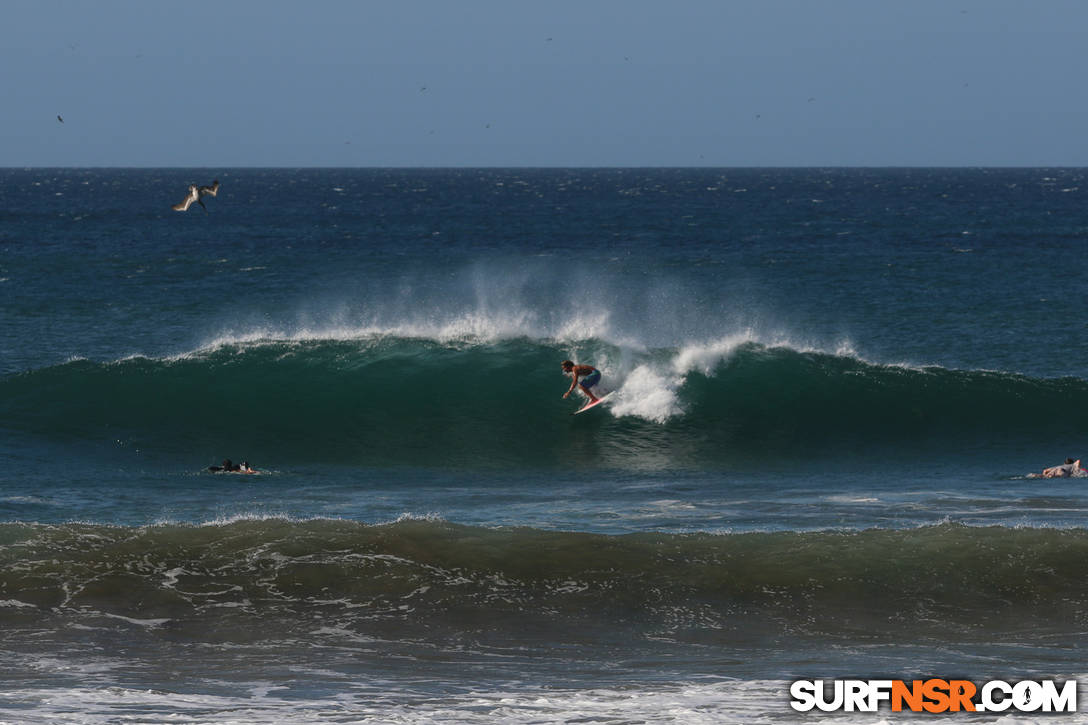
{"points": [[829, 388]]}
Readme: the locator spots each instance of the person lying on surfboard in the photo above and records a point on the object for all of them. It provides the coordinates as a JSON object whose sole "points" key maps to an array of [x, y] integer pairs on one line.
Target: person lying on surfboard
{"points": [[585, 375], [1069, 469], [231, 467]]}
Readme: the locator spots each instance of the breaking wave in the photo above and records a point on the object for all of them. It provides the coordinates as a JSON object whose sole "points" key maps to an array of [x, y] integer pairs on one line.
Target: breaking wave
{"points": [[387, 399]]}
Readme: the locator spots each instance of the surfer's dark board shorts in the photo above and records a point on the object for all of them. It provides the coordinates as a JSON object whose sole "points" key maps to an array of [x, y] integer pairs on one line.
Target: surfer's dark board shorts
{"points": [[592, 379]]}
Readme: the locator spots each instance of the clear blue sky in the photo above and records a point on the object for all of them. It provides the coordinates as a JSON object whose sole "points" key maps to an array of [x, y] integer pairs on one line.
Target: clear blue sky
{"points": [[561, 83]]}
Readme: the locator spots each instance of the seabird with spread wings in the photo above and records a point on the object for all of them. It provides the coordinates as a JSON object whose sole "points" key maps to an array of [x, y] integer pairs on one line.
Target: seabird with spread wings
{"points": [[195, 194]]}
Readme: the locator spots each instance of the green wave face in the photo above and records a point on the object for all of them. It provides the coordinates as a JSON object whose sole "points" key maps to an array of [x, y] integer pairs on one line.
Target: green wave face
{"points": [[392, 400]]}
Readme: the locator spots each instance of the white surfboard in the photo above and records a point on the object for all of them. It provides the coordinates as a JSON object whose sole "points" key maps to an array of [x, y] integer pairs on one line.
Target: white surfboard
{"points": [[592, 404]]}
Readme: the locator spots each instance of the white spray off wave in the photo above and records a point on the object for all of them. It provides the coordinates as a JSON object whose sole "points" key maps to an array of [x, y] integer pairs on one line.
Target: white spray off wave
{"points": [[651, 389]]}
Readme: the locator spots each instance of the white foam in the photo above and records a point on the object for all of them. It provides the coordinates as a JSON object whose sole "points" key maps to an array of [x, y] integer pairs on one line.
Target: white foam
{"points": [[704, 357], [409, 516], [149, 623], [23, 499], [649, 394], [651, 389], [846, 498], [695, 704], [170, 577], [751, 702]]}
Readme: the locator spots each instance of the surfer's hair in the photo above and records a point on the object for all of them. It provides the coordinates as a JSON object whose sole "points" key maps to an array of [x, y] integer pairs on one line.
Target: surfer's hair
{"points": [[566, 364]]}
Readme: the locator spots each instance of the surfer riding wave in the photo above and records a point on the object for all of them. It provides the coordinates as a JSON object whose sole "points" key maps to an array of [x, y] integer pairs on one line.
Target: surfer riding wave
{"points": [[585, 376]]}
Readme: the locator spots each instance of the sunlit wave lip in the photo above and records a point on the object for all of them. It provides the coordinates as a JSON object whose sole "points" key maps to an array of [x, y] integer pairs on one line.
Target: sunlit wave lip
{"points": [[467, 330], [704, 357], [473, 329]]}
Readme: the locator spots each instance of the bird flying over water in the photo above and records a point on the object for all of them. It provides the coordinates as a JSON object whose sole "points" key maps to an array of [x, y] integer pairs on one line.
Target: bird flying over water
{"points": [[59, 118], [195, 194]]}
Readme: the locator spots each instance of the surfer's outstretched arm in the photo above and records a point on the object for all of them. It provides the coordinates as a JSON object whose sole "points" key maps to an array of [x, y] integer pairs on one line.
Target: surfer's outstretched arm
{"points": [[573, 383], [572, 370]]}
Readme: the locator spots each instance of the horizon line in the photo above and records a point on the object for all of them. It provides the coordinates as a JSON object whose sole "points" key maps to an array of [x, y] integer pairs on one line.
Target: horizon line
{"points": [[28, 167]]}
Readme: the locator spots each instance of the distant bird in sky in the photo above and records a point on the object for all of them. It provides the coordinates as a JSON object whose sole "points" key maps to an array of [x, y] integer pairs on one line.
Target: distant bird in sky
{"points": [[59, 118], [195, 194]]}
